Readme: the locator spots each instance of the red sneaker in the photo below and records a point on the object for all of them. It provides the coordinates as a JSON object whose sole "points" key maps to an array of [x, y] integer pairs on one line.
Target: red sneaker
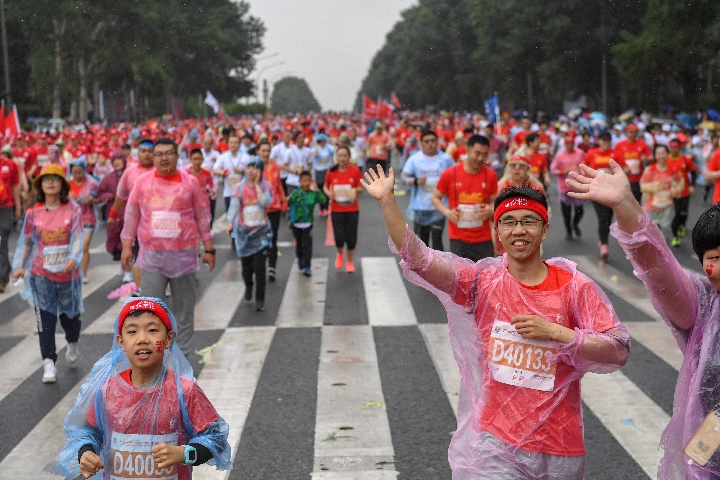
{"points": [[349, 267], [339, 260], [604, 252]]}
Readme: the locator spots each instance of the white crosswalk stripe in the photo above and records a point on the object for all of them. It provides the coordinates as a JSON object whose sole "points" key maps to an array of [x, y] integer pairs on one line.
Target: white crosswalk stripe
{"points": [[352, 431]]}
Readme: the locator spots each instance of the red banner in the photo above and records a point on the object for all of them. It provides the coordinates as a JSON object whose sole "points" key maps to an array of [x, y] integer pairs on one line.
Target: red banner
{"points": [[12, 124], [395, 100], [370, 108], [385, 110]]}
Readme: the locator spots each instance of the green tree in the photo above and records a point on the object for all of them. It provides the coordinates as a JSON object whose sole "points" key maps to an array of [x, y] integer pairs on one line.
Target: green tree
{"points": [[292, 94]]}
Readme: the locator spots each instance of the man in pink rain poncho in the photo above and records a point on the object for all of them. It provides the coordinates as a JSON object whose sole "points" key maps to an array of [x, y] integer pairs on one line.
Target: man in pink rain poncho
{"points": [[523, 332], [168, 212], [689, 303]]}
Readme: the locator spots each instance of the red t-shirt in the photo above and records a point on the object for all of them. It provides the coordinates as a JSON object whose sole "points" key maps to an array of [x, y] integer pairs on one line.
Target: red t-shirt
{"points": [[9, 177], [600, 159], [684, 165], [632, 153], [376, 142], [713, 166], [519, 138], [467, 192], [538, 164], [338, 182], [545, 418]]}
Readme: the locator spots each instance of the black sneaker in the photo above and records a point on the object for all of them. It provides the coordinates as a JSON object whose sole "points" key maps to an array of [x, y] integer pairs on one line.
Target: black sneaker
{"points": [[248, 295], [260, 305], [271, 274], [578, 233]]}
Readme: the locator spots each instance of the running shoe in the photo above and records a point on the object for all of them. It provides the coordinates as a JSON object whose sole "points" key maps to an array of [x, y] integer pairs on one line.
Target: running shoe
{"points": [[248, 295], [137, 293], [681, 231], [168, 292], [300, 263], [577, 231], [71, 353], [307, 272], [260, 305], [604, 252], [127, 277], [49, 371], [676, 242], [349, 267], [85, 278], [339, 260], [271, 274]]}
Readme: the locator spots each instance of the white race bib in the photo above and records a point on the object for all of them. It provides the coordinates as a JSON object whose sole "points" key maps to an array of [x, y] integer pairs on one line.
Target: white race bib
{"points": [[379, 151], [324, 163], [342, 193], [54, 258], [253, 216], [131, 457], [429, 187], [233, 179], [469, 216], [633, 165], [514, 360], [42, 160], [165, 224]]}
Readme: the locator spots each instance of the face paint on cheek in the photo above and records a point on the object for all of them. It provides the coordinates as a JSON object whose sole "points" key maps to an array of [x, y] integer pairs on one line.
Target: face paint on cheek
{"points": [[709, 270], [160, 346]]}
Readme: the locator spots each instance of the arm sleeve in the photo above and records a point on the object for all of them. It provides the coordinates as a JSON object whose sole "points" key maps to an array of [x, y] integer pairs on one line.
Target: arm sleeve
{"points": [[670, 287]]}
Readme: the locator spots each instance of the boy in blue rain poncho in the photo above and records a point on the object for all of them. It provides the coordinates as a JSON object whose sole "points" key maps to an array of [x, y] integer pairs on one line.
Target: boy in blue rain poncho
{"points": [[140, 413]]}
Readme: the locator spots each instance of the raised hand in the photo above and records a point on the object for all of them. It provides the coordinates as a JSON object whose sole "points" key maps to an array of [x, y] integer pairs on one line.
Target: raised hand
{"points": [[377, 184], [608, 189]]}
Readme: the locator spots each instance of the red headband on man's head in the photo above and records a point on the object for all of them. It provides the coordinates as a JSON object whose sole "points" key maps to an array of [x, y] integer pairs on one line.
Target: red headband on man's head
{"points": [[144, 304], [521, 203]]}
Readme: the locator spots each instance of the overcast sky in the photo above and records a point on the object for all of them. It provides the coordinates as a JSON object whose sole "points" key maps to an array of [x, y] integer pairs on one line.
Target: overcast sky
{"points": [[329, 43]]}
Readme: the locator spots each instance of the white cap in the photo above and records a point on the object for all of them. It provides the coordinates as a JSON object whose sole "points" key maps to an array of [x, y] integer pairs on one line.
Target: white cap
{"points": [[666, 127], [640, 125]]}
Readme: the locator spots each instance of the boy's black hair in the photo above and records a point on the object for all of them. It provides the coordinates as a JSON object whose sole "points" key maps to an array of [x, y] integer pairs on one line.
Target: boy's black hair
{"points": [[305, 173], [706, 232], [427, 132], [531, 138], [525, 190], [478, 139], [194, 151], [605, 135]]}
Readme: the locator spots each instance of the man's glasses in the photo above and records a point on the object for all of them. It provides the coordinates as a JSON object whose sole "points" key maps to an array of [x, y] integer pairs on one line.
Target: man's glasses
{"points": [[527, 223], [168, 154]]}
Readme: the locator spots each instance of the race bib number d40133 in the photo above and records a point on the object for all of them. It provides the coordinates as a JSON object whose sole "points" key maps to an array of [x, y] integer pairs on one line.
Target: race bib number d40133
{"points": [[131, 457], [514, 360]]}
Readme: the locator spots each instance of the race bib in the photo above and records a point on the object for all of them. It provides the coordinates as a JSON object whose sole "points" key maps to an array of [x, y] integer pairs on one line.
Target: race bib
{"points": [[469, 216], [633, 165], [605, 170], [131, 457], [165, 224], [379, 150], [662, 199], [253, 216], [324, 163], [54, 257], [342, 193], [429, 187], [514, 360], [233, 179], [42, 160]]}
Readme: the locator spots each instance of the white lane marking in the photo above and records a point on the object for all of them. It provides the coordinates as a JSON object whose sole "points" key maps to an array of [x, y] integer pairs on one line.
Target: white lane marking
{"points": [[628, 288], [25, 324], [30, 456], [437, 341], [387, 300], [656, 337], [217, 305], [230, 380], [220, 224], [303, 303], [284, 244], [631, 416], [21, 361], [352, 431]]}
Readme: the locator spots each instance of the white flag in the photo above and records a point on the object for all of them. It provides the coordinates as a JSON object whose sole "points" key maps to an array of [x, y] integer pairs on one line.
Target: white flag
{"points": [[212, 102]]}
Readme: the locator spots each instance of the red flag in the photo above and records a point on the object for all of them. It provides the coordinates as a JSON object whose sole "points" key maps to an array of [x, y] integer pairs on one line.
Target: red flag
{"points": [[395, 100], [2, 119], [385, 111], [370, 108], [12, 124]]}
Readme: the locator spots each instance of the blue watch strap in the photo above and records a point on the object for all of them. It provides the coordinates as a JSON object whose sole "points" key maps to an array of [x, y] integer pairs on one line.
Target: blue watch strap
{"points": [[190, 455]]}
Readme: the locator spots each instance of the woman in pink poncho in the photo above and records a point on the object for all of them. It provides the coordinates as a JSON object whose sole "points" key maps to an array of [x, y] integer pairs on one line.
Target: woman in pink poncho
{"points": [[523, 333], [689, 303]]}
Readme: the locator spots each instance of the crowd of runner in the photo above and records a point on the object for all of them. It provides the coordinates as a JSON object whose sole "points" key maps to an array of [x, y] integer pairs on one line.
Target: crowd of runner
{"points": [[155, 187]]}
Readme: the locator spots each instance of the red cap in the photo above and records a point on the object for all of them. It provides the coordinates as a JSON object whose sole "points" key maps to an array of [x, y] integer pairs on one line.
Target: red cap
{"points": [[682, 137], [631, 128], [147, 305], [675, 141]]}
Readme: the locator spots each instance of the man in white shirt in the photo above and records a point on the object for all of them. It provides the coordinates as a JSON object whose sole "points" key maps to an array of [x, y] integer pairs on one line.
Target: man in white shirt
{"points": [[297, 159], [210, 155], [231, 165], [278, 155]]}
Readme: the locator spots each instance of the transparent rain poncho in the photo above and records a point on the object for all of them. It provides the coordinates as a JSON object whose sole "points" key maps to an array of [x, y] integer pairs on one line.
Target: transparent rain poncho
{"points": [[49, 238], [123, 422], [526, 393], [678, 294], [248, 215]]}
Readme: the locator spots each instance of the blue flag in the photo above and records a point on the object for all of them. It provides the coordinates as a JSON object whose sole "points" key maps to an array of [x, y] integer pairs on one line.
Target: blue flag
{"points": [[492, 109]]}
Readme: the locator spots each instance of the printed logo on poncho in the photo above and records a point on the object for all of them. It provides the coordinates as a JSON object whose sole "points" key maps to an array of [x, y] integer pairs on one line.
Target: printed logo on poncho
{"points": [[131, 457], [516, 361]]}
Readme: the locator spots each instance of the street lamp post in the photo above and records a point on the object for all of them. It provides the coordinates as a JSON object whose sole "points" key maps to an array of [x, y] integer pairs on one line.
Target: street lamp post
{"points": [[273, 65]]}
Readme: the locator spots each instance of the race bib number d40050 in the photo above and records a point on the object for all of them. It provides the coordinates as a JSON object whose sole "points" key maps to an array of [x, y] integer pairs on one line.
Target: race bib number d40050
{"points": [[54, 257], [131, 457], [514, 360]]}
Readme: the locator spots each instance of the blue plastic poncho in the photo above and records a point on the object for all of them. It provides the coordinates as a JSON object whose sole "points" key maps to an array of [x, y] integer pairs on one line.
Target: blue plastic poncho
{"points": [[248, 214], [123, 422]]}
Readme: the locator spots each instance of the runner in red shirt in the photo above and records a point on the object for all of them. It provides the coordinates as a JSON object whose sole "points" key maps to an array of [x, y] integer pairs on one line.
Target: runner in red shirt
{"points": [[10, 208], [538, 161], [634, 152], [379, 145], [686, 167], [205, 178], [470, 188], [712, 175], [278, 205]]}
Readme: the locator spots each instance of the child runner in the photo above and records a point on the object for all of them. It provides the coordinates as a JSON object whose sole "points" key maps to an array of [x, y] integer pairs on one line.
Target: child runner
{"points": [[84, 191], [50, 248], [302, 204], [278, 204], [204, 177], [140, 413], [342, 186], [524, 332], [249, 225]]}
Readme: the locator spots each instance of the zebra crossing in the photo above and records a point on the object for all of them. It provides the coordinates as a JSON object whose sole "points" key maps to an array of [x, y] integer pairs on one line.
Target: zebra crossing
{"points": [[306, 394]]}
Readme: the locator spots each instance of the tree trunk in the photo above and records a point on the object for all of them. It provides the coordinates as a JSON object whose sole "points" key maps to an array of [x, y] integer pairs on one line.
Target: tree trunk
{"points": [[57, 91], [82, 72]]}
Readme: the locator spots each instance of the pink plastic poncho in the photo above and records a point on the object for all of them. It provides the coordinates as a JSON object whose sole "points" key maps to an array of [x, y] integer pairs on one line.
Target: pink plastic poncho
{"points": [[167, 216], [676, 293], [129, 178], [49, 238], [526, 393], [123, 422], [89, 187]]}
